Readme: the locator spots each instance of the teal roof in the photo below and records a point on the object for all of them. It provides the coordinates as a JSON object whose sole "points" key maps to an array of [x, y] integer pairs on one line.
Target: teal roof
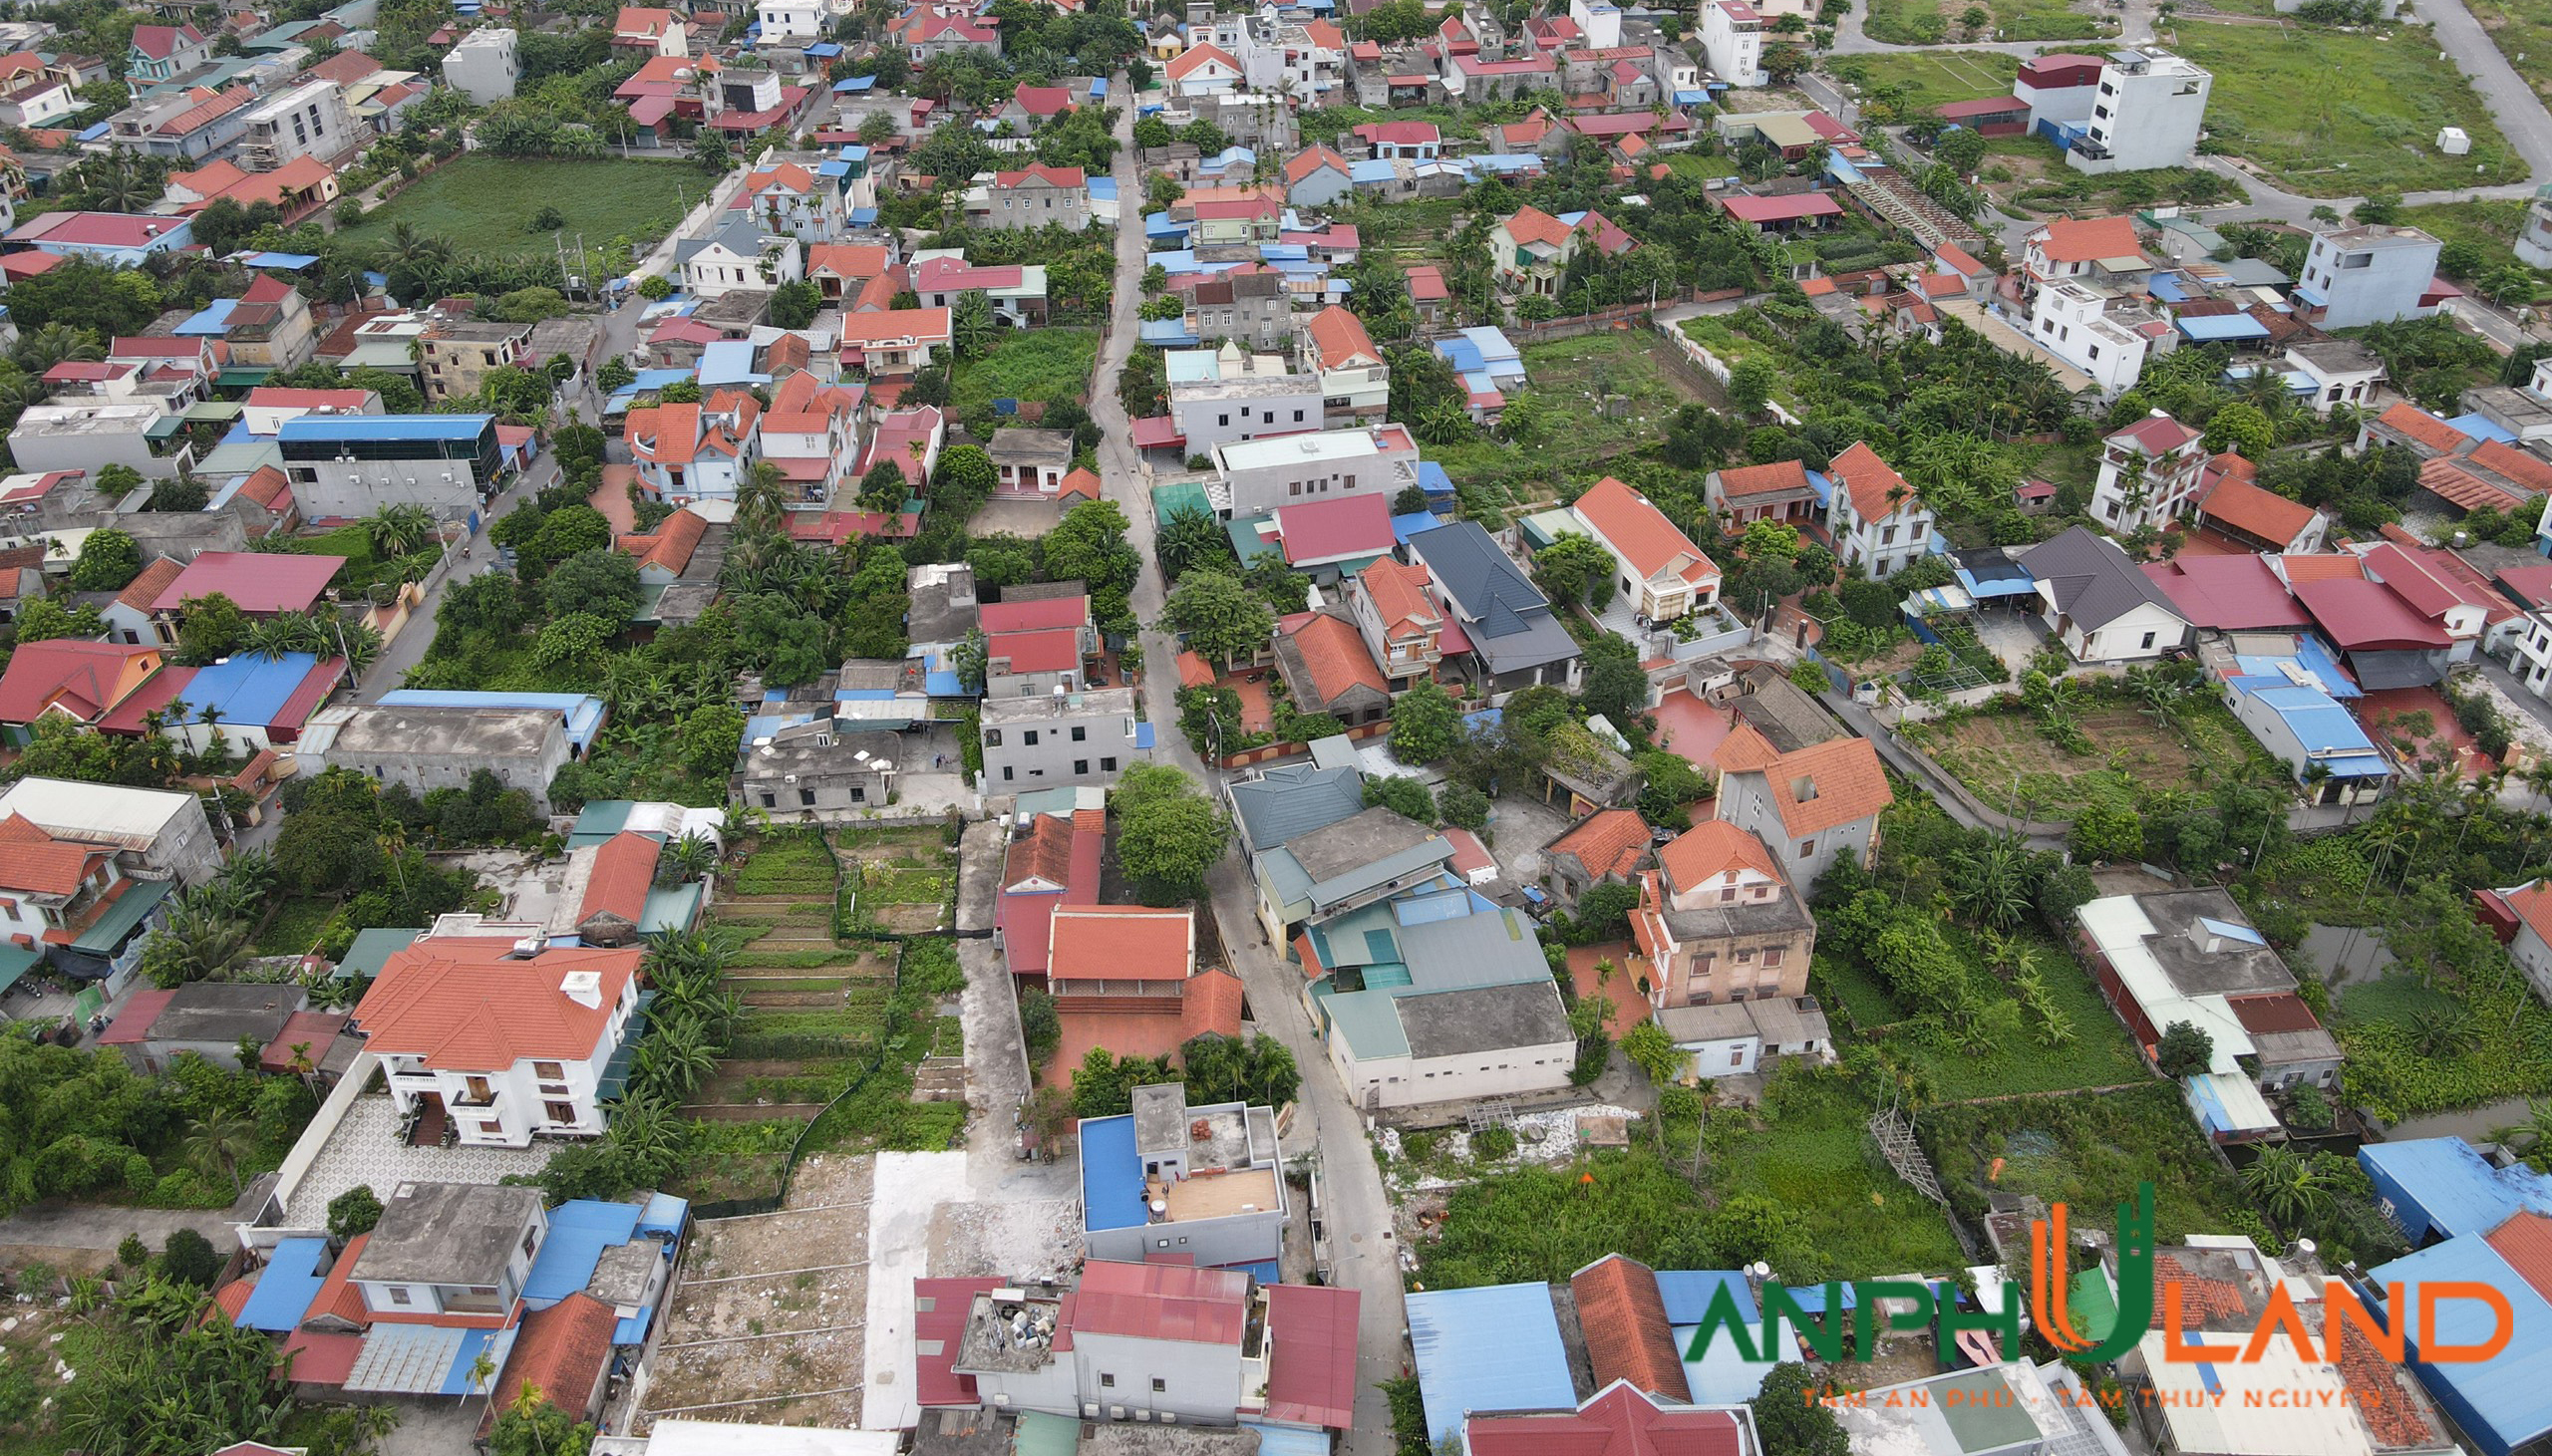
{"points": [[1044, 1434], [603, 818], [1247, 544], [373, 949], [1369, 1019], [122, 918], [672, 908], [1177, 496], [16, 960]]}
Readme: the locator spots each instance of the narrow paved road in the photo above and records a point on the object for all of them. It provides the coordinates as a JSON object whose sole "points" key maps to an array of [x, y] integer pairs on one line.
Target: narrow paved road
{"points": [[1365, 1254]]}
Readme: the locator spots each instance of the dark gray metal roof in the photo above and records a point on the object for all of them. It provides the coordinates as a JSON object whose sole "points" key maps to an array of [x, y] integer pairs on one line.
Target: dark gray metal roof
{"points": [[1293, 799], [1509, 620], [2091, 580]]}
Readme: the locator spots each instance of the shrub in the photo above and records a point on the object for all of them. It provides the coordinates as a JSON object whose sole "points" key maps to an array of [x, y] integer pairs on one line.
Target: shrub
{"points": [[1493, 1144]]}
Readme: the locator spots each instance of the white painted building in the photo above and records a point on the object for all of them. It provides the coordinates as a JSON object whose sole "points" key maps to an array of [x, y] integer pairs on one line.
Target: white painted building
{"points": [[2106, 334], [1733, 38], [1876, 519], [2147, 113], [484, 66], [2151, 474]]}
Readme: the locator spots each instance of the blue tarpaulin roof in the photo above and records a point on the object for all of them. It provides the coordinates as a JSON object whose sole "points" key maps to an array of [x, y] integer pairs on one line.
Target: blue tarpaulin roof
{"points": [[2313, 658], [1103, 189], [1812, 1297], [287, 261], [2502, 1403], [1691, 98], [1405, 527], [579, 1230], [1372, 169], [1496, 1347], [1099, 88], [1433, 479], [729, 362], [664, 1213], [1166, 333], [284, 1292], [2218, 327], [1112, 1175], [2456, 1188], [1143, 737], [854, 84], [823, 48]]}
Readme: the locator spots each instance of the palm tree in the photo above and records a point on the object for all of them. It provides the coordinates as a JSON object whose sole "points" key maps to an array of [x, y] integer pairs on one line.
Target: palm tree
{"points": [[481, 1370], [688, 858], [218, 1143], [2286, 1186], [396, 530], [271, 637], [416, 249], [55, 343]]}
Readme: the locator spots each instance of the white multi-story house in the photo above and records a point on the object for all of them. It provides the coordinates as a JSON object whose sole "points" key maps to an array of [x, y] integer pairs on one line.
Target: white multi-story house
{"points": [[811, 433], [787, 198], [2147, 113], [1876, 519], [687, 452], [2106, 332], [310, 120], [1205, 70], [739, 254], [486, 67], [1402, 624], [2151, 474], [1355, 380], [1733, 38], [508, 1038]]}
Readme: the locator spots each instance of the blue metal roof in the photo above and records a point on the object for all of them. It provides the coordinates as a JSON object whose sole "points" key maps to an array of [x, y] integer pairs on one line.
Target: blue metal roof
{"points": [[1405, 527], [95, 131], [213, 321], [1097, 87], [579, 1230], [456, 1381], [284, 1292], [245, 689], [2309, 295], [1812, 1297], [386, 426], [729, 362], [854, 84], [2165, 285], [1482, 1349], [1287, 1441], [2501, 1402], [583, 713], [1112, 1175], [2456, 1189], [1433, 479], [823, 48], [287, 261], [1372, 169], [1691, 98], [664, 1213], [1166, 333], [2481, 427], [1103, 189], [2218, 327], [1687, 1293], [1143, 737], [2321, 724]]}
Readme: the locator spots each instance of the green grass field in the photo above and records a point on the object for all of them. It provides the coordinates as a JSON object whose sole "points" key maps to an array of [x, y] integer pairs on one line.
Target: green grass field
{"points": [[2521, 28], [1052, 365], [2330, 115], [485, 204], [1932, 77], [1565, 372], [1930, 22]]}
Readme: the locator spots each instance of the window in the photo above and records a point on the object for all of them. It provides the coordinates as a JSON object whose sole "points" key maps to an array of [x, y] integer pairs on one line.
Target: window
{"points": [[2149, 639], [858, 796], [398, 1295], [1007, 772], [548, 1071], [1081, 765], [1080, 733], [1773, 955], [1028, 736], [558, 1112], [1807, 848], [1737, 1056], [1160, 1384], [1298, 417], [1107, 765], [1726, 894], [807, 798], [992, 737], [1108, 1382]]}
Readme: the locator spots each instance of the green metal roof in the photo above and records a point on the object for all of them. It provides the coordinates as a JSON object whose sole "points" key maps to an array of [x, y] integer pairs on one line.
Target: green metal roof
{"points": [[372, 949], [17, 961], [1179, 495], [1369, 1019], [1981, 1411], [214, 411], [133, 907], [1246, 541], [601, 819], [1042, 1433], [673, 908], [2094, 1308], [238, 376]]}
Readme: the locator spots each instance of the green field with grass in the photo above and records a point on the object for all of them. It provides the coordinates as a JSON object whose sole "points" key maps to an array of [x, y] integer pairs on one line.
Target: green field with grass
{"points": [[1931, 77], [485, 204], [2333, 115], [1050, 365], [1569, 375], [1930, 22]]}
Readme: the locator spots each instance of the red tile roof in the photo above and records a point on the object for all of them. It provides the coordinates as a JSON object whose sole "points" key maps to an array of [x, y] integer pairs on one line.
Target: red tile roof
{"points": [[1121, 943], [1030, 616], [1311, 159], [131, 1025], [1399, 595], [670, 547], [2282, 1011], [1875, 488], [1711, 849], [1781, 210], [338, 1294], [2299, 568], [1045, 853], [82, 679], [2262, 513], [2529, 470], [1194, 58], [1160, 1301], [1641, 534], [1470, 855], [1310, 1370], [1607, 842], [2526, 1241], [1210, 1004], [2156, 435], [1335, 654], [1046, 650], [1763, 479], [1329, 530], [34, 862], [2406, 418], [2445, 479], [1824, 785], [624, 870], [2227, 593], [847, 260], [1039, 172], [1081, 483], [1338, 338], [1624, 1318], [463, 1004], [560, 1350], [2089, 239]]}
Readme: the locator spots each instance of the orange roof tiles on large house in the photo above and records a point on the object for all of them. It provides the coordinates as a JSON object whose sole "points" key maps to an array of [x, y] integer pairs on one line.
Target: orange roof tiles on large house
{"points": [[1815, 788], [1642, 535], [1121, 943], [1399, 595], [81, 681], [1623, 1314], [669, 547], [2255, 511], [1338, 338], [33, 862], [467, 1003], [1335, 655], [1874, 484], [2408, 420]]}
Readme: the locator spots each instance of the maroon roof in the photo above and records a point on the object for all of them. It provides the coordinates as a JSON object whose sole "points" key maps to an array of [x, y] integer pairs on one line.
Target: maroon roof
{"points": [[132, 1024], [939, 1318], [1323, 530], [255, 581], [1157, 432], [2227, 593], [1992, 105], [1617, 1422], [1160, 1301], [2364, 616], [2282, 1011], [1783, 209], [1035, 616], [1310, 1371]]}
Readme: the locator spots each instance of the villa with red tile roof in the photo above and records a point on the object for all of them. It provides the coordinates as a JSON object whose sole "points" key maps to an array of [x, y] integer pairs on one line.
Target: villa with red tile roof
{"points": [[810, 432], [1808, 804], [838, 270], [1202, 69], [2082, 248], [785, 197], [1532, 249], [910, 438], [1354, 376], [1317, 176], [1324, 663], [1124, 976], [1663, 576], [1719, 922], [1606, 847], [895, 341], [474, 1028], [687, 452], [1403, 628], [1875, 519], [1620, 1418], [603, 901], [75, 681]]}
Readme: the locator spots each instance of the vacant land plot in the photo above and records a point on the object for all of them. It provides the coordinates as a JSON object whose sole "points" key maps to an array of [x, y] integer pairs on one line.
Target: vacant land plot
{"points": [[485, 204], [1571, 375], [1930, 22], [2521, 28], [1810, 1154], [2491, 225], [2333, 115], [767, 1323], [2088, 1152], [2012, 765], [1932, 77], [1049, 366], [901, 880]]}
